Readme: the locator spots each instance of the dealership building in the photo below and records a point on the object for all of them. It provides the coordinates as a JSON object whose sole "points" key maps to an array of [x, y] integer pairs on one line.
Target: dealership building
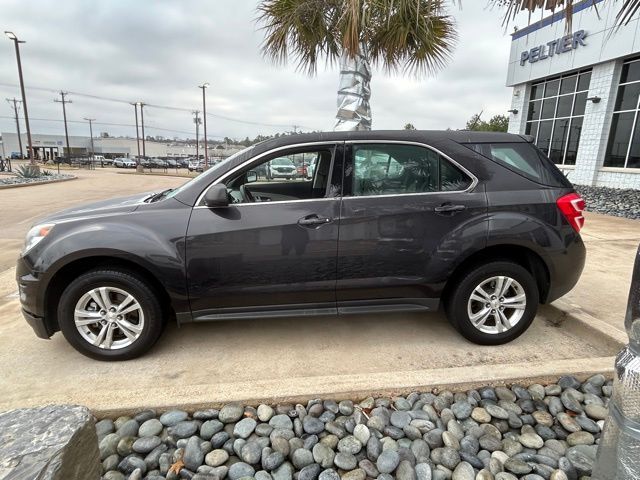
{"points": [[49, 147], [577, 93]]}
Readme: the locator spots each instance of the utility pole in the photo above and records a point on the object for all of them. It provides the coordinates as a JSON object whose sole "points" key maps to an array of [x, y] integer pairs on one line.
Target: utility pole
{"points": [[135, 106], [204, 86], [15, 111], [12, 36], [64, 102], [144, 149], [93, 152], [196, 120]]}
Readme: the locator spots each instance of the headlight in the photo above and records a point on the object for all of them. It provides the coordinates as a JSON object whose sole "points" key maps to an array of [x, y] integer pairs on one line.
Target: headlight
{"points": [[35, 235]]}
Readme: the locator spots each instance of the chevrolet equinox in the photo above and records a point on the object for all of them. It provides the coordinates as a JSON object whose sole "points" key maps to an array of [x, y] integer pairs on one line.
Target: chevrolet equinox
{"points": [[482, 223]]}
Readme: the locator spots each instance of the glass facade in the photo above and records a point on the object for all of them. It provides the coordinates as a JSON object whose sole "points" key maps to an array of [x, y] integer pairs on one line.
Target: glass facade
{"points": [[556, 113], [623, 149]]}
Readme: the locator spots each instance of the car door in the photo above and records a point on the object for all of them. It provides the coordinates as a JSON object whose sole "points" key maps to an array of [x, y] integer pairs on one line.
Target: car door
{"points": [[269, 256], [408, 214]]}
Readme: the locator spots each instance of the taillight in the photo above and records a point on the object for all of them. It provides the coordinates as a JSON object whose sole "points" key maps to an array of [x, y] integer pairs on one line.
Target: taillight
{"points": [[572, 205]]}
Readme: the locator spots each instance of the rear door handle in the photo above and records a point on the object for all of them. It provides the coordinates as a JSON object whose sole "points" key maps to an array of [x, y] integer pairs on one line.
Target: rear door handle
{"points": [[313, 221], [448, 208]]}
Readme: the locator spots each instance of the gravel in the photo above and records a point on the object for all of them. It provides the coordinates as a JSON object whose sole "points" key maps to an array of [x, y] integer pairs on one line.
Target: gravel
{"points": [[536, 432], [611, 201]]}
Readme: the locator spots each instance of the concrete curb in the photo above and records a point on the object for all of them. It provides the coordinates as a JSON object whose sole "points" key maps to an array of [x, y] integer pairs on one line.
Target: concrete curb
{"points": [[31, 184], [359, 386]]}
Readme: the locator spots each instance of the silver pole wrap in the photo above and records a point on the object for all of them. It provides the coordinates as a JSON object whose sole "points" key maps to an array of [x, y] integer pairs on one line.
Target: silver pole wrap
{"points": [[354, 92], [619, 450]]}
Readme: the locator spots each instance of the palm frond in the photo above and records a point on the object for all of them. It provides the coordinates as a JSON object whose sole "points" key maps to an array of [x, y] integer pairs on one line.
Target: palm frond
{"points": [[300, 29], [415, 36], [628, 10], [626, 13]]}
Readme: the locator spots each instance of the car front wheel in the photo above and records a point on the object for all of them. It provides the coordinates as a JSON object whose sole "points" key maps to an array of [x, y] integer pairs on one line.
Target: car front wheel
{"points": [[493, 303], [110, 314]]}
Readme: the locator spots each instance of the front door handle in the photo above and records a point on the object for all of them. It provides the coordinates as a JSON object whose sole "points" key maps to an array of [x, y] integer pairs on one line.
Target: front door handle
{"points": [[313, 221], [449, 208]]}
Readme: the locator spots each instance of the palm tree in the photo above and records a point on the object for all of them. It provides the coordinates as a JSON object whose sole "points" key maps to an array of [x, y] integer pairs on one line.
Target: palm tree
{"points": [[411, 36], [628, 9]]}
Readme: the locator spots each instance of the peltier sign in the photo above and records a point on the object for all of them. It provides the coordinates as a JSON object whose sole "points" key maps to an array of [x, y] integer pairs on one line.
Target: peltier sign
{"points": [[554, 47]]}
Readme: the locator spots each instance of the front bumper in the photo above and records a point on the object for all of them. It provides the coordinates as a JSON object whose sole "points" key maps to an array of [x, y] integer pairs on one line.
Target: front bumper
{"points": [[38, 324], [31, 298]]}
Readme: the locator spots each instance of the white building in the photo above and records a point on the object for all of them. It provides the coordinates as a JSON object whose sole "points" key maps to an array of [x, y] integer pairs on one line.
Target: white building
{"points": [[578, 93], [48, 147]]}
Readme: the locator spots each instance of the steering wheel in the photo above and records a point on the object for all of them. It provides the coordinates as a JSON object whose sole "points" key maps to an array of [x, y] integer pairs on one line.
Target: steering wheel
{"points": [[246, 194]]}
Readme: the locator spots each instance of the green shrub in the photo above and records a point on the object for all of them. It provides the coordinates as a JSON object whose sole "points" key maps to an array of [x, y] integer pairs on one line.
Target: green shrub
{"points": [[25, 171]]}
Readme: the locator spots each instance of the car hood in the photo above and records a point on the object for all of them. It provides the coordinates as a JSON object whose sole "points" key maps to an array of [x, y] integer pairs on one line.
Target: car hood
{"points": [[111, 206]]}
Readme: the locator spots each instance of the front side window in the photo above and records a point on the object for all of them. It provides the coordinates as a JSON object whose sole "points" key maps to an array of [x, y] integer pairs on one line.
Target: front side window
{"points": [[388, 169], [623, 149], [292, 175], [555, 114]]}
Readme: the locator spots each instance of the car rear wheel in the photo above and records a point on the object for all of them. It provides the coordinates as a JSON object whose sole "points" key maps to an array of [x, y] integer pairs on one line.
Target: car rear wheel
{"points": [[110, 314], [493, 303]]}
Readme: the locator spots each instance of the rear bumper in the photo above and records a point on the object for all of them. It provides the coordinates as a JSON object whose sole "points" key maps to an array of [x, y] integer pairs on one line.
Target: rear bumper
{"points": [[566, 269]]}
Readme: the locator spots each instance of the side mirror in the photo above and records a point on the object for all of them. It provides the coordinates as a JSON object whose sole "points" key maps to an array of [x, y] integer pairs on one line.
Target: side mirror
{"points": [[216, 196], [252, 176]]}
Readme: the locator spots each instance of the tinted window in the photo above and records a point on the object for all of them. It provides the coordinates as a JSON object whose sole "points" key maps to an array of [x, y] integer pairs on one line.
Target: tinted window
{"points": [[630, 72], [523, 158], [619, 139], [584, 81], [387, 169]]}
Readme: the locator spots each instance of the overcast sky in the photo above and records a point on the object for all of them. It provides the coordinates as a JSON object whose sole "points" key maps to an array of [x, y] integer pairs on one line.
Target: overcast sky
{"points": [[158, 52]]}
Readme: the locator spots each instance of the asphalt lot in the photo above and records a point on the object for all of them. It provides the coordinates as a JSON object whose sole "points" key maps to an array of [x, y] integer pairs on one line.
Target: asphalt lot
{"points": [[285, 358]]}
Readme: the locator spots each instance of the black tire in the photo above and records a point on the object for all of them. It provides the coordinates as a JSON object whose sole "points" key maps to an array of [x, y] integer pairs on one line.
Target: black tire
{"points": [[457, 301], [126, 281]]}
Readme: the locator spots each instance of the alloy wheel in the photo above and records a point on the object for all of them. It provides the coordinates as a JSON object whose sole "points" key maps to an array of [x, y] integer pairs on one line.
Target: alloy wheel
{"points": [[109, 318], [497, 304]]}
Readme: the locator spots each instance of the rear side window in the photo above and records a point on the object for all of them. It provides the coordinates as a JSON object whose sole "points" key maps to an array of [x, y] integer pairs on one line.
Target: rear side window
{"points": [[525, 159], [387, 169]]}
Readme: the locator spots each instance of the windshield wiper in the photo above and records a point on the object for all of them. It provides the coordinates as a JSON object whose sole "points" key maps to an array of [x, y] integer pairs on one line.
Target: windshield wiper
{"points": [[157, 196]]}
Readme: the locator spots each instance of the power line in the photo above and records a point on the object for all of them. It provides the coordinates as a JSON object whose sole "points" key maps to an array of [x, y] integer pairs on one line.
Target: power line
{"points": [[107, 124], [163, 107]]}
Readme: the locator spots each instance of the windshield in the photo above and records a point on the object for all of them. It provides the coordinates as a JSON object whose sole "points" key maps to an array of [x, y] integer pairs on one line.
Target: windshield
{"points": [[206, 176]]}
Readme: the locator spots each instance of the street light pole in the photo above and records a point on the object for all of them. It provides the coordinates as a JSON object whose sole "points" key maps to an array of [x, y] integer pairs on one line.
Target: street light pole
{"points": [[135, 106], [196, 120], [93, 152], [64, 102], [12, 36], [204, 86], [15, 110], [144, 149]]}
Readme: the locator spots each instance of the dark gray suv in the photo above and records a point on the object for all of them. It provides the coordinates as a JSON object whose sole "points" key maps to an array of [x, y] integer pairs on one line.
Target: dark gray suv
{"points": [[387, 221]]}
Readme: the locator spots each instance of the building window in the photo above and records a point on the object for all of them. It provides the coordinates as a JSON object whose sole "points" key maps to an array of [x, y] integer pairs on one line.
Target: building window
{"points": [[623, 149], [555, 115]]}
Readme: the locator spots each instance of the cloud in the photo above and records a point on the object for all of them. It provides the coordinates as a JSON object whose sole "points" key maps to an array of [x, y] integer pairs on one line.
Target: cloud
{"points": [[158, 52]]}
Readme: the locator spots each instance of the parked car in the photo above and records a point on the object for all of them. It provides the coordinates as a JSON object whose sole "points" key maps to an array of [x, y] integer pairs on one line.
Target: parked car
{"points": [[171, 163], [183, 162], [281, 167], [122, 162], [156, 162], [481, 223], [196, 165]]}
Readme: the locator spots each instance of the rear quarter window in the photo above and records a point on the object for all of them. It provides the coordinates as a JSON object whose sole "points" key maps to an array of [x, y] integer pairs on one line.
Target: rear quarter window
{"points": [[525, 159]]}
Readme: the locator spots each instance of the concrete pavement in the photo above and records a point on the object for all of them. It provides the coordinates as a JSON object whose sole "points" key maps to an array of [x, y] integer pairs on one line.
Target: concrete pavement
{"points": [[293, 358]]}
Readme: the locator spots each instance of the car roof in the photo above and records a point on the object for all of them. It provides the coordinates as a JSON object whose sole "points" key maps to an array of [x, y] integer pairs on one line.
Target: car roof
{"points": [[422, 136]]}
